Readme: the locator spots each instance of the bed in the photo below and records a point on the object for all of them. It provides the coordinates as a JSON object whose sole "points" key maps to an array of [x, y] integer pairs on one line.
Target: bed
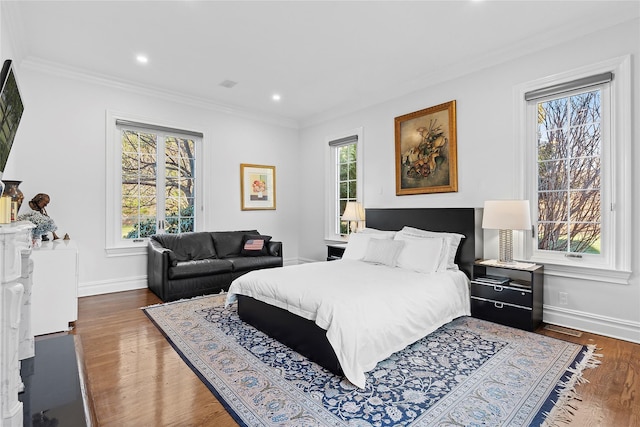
{"points": [[348, 315]]}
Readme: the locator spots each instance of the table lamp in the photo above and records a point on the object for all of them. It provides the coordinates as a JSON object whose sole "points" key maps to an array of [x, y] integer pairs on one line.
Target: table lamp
{"points": [[506, 216], [354, 213]]}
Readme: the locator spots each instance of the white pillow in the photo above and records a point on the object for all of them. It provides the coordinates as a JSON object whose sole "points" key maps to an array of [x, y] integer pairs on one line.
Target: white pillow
{"points": [[387, 233], [422, 254], [357, 245], [452, 240], [383, 251]]}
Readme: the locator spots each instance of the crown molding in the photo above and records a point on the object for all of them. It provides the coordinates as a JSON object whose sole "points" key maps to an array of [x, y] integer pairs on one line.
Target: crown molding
{"points": [[73, 73], [466, 66], [11, 17]]}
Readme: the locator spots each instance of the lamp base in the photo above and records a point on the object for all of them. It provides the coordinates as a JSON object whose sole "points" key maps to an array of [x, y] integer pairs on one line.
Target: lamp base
{"points": [[506, 247]]}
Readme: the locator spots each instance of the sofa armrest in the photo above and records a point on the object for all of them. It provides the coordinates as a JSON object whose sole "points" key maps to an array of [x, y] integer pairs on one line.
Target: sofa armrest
{"points": [[158, 263], [275, 249]]}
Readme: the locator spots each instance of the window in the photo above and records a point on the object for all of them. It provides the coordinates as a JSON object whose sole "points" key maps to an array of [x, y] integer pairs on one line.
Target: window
{"points": [[158, 179], [570, 144], [154, 182], [344, 180], [576, 170]]}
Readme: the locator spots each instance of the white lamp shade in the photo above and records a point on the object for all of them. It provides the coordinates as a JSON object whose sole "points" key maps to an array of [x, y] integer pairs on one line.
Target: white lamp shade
{"points": [[353, 211], [506, 215]]}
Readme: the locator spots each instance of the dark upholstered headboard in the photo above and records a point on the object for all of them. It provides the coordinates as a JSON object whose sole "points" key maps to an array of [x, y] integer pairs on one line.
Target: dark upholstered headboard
{"points": [[454, 220]]}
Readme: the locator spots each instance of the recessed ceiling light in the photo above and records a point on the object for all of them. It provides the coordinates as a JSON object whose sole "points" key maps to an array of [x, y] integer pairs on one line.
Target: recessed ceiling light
{"points": [[275, 97], [142, 59]]}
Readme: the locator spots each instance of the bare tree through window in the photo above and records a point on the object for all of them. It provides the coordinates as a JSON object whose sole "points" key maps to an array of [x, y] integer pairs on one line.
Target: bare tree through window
{"points": [[147, 172], [569, 175]]}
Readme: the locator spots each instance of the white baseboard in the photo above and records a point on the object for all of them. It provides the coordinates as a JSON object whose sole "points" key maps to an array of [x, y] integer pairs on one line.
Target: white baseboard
{"points": [[306, 260], [130, 283], [109, 286], [593, 323]]}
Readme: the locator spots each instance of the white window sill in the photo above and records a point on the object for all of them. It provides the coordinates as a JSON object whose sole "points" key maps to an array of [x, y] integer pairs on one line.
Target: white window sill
{"points": [[140, 249], [596, 274]]}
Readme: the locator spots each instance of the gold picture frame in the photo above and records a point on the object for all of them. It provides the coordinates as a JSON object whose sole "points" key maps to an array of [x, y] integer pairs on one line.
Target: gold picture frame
{"points": [[426, 151], [257, 187]]}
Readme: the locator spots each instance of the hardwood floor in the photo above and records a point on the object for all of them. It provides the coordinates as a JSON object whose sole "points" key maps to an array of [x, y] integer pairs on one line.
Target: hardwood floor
{"points": [[133, 377]]}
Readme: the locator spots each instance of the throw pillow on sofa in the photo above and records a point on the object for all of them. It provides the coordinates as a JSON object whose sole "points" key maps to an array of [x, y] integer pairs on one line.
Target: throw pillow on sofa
{"points": [[229, 243], [254, 245]]}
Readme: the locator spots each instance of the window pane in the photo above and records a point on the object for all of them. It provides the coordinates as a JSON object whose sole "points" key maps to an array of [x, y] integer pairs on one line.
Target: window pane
{"points": [[138, 227], [585, 238], [585, 206], [585, 141], [353, 154], [353, 171], [187, 148], [585, 173], [552, 206], [344, 191], [130, 206], [343, 205], [552, 175], [585, 108], [344, 172], [552, 145], [353, 190], [343, 154], [552, 236]]}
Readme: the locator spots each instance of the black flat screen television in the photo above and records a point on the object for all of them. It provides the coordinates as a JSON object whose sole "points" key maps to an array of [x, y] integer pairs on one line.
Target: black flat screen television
{"points": [[11, 109]]}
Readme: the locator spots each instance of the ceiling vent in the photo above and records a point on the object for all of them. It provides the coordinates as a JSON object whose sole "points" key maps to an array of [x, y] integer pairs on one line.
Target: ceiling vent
{"points": [[228, 84]]}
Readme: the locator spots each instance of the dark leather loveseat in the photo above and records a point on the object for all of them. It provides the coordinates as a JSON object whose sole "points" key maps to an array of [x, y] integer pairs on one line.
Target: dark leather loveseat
{"points": [[197, 263]]}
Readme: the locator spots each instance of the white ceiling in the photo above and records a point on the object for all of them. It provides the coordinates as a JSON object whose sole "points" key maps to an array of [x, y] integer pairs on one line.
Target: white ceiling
{"points": [[324, 58]]}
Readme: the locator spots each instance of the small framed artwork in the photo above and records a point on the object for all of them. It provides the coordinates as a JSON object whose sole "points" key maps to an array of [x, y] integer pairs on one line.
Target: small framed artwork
{"points": [[257, 187], [426, 151]]}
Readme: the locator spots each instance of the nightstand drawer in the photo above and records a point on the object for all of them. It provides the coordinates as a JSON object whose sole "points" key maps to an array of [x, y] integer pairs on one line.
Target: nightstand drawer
{"points": [[503, 293], [505, 314], [335, 251]]}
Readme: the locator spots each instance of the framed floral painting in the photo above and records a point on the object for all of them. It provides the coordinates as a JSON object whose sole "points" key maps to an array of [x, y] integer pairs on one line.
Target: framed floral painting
{"points": [[257, 187], [426, 151]]}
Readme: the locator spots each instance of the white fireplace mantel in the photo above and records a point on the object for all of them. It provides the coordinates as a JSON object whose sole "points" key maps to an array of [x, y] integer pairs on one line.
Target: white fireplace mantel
{"points": [[15, 245]]}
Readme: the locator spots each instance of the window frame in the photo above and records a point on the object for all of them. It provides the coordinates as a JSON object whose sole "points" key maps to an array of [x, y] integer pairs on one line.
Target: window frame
{"points": [[615, 262], [332, 192], [115, 245]]}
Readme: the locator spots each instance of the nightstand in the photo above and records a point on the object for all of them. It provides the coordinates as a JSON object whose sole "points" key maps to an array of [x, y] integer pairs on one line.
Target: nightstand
{"points": [[335, 251], [509, 295]]}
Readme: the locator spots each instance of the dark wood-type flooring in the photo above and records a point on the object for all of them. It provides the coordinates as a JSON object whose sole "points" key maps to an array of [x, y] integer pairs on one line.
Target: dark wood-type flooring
{"points": [[133, 377]]}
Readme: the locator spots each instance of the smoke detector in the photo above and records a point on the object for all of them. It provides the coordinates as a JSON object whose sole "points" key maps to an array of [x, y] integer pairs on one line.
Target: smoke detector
{"points": [[228, 83]]}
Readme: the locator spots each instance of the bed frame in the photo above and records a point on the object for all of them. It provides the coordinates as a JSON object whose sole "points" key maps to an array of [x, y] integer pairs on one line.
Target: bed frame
{"points": [[307, 338]]}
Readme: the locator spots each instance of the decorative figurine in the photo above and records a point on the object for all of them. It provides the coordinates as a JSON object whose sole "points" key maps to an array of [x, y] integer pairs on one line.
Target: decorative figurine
{"points": [[39, 217]]}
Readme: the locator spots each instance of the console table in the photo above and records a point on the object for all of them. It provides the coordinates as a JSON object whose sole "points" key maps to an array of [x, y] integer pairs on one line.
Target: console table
{"points": [[54, 304], [15, 246]]}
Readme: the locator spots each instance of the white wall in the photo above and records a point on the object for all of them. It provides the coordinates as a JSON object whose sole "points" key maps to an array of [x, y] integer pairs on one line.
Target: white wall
{"points": [[487, 167], [60, 150]]}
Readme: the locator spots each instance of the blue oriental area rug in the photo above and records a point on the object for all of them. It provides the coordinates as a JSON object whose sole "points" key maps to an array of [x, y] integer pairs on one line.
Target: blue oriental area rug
{"points": [[467, 373]]}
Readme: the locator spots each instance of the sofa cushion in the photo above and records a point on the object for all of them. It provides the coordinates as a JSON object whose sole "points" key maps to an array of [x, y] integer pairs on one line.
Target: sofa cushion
{"points": [[254, 245], [245, 263], [229, 243], [203, 267], [187, 246]]}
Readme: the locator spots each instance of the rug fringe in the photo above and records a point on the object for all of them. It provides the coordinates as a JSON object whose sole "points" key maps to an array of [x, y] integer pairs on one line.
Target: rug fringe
{"points": [[564, 410]]}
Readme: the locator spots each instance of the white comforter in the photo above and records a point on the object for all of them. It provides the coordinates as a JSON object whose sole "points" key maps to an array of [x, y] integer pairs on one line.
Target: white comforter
{"points": [[369, 311]]}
